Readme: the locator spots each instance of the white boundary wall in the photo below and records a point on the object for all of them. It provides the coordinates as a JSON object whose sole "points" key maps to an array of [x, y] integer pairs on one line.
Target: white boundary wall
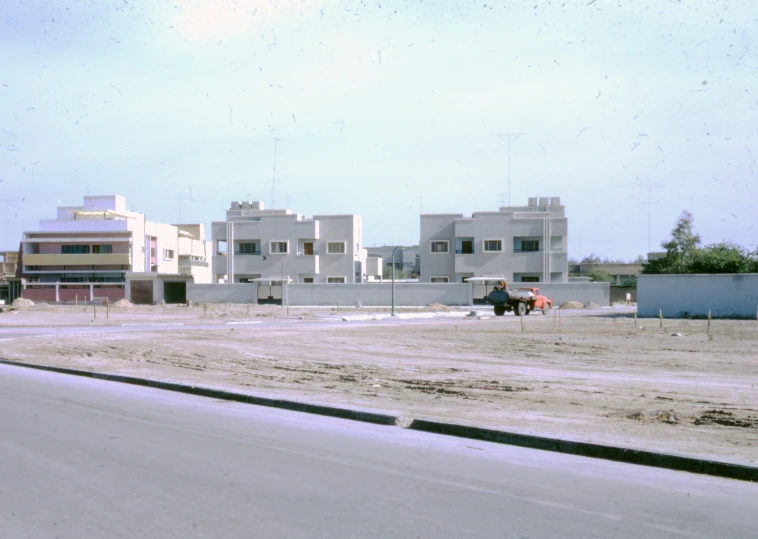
{"points": [[222, 293], [560, 293], [379, 294], [694, 295]]}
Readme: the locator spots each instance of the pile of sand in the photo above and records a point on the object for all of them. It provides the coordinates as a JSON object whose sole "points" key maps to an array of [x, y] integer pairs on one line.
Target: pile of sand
{"points": [[592, 305], [21, 303], [122, 303], [437, 308], [573, 305]]}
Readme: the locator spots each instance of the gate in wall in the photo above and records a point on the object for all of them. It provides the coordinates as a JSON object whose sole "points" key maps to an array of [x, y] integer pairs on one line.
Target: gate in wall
{"points": [[142, 292]]}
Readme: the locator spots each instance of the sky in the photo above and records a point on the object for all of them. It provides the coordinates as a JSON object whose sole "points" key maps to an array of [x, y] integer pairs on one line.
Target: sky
{"points": [[631, 112]]}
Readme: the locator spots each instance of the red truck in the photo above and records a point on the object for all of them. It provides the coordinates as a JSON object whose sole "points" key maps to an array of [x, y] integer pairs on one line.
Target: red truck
{"points": [[521, 301]]}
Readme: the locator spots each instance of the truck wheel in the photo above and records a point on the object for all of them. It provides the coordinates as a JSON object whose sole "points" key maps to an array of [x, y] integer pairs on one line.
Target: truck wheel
{"points": [[521, 309], [499, 310], [546, 310]]}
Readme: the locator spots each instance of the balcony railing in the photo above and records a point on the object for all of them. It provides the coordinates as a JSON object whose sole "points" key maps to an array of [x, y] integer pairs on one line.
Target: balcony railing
{"points": [[246, 253], [520, 250], [308, 253], [464, 251]]}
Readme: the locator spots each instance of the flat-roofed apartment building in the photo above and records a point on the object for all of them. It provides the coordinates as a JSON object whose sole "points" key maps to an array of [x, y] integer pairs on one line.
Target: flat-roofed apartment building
{"points": [[520, 243], [8, 261], [98, 243], [255, 243]]}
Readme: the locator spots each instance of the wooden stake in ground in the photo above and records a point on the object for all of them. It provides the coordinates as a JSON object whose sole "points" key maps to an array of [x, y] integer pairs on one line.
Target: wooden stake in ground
{"points": [[660, 315], [107, 310], [205, 309], [635, 317], [522, 323], [708, 327], [94, 311]]}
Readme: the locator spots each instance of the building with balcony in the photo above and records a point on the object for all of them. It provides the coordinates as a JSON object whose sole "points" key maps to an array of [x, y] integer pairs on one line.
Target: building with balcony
{"points": [[94, 246], [520, 243], [255, 243]]}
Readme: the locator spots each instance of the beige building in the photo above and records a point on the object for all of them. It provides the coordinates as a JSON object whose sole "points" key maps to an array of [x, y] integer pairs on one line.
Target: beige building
{"points": [[94, 245]]}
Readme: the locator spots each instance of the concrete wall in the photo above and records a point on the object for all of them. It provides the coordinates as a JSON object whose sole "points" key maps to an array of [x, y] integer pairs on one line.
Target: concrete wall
{"points": [[222, 293], [695, 295], [560, 293], [376, 294]]}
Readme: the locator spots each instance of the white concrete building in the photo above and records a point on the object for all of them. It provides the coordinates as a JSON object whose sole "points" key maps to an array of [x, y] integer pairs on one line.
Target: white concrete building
{"points": [[254, 243], [519, 243], [98, 242]]}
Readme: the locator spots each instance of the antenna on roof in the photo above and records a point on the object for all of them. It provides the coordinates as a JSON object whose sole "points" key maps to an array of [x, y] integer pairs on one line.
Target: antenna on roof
{"points": [[273, 178], [509, 138], [649, 188]]}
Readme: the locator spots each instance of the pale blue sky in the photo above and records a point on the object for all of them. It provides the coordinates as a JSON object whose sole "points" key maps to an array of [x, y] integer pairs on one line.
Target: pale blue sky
{"points": [[380, 103]]}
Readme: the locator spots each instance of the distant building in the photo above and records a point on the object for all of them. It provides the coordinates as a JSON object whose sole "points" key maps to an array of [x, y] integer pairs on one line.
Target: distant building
{"points": [[520, 243], [255, 243], [619, 271], [8, 262], [96, 244], [407, 258]]}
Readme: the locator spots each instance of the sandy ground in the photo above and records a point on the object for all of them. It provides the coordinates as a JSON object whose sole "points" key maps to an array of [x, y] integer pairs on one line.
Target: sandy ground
{"points": [[596, 376]]}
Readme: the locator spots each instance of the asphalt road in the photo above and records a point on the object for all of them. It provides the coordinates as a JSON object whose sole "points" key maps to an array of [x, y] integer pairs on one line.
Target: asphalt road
{"points": [[84, 458]]}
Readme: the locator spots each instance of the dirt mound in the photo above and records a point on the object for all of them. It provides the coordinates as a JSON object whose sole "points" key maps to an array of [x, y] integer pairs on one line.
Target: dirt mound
{"points": [[123, 303], [21, 303], [573, 305], [437, 307], [592, 305], [721, 417]]}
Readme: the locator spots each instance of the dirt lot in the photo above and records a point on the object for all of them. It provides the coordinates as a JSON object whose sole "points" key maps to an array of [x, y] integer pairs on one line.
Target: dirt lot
{"points": [[597, 376]]}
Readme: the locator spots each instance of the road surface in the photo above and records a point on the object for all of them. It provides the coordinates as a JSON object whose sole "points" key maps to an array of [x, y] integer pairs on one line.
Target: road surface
{"points": [[83, 458]]}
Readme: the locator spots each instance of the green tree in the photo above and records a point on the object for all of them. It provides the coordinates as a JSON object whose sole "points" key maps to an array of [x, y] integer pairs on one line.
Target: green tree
{"points": [[399, 274], [724, 257], [684, 243], [684, 254], [601, 275]]}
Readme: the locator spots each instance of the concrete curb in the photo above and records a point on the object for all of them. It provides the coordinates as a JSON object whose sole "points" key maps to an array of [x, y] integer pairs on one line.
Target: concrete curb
{"points": [[329, 411], [584, 449]]}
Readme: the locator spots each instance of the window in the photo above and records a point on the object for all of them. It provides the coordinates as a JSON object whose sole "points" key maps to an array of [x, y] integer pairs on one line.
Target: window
{"points": [[527, 279], [279, 247], [308, 280], [340, 280], [168, 254], [75, 249], [439, 279], [248, 248], [439, 246], [530, 246], [102, 249], [467, 247], [335, 248], [493, 246], [220, 247]]}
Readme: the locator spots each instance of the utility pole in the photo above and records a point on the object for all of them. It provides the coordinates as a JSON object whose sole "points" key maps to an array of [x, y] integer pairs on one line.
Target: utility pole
{"points": [[509, 138], [501, 195]]}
